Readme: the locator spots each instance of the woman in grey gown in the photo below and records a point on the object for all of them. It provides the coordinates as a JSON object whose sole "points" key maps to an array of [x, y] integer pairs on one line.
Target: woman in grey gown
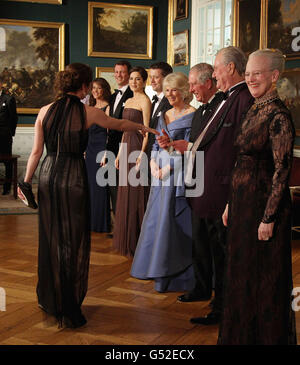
{"points": [[164, 250]]}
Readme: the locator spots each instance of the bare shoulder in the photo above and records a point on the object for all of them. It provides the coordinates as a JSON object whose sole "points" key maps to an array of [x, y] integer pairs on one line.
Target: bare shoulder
{"points": [[43, 112], [145, 101]]}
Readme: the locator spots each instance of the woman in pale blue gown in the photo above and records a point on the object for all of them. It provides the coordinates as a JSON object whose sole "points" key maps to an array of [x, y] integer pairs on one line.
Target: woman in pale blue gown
{"points": [[164, 250]]}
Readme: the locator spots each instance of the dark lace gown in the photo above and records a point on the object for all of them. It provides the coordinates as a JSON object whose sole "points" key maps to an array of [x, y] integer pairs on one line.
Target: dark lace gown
{"points": [[131, 200], [64, 214], [258, 275]]}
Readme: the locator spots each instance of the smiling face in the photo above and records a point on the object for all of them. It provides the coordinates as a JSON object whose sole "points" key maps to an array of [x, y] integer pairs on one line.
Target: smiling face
{"points": [[121, 75], [221, 73], [136, 82], [97, 91], [197, 88], [259, 77], [156, 79], [174, 96]]}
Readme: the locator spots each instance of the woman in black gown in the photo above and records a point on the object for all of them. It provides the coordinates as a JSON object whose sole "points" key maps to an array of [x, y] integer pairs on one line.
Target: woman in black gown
{"points": [[258, 276], [100, 209], [64, 209]]}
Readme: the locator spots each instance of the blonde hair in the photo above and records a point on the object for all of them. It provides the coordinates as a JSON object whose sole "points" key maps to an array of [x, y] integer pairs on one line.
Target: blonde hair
{"points": [[276, 57], [179, 81]]}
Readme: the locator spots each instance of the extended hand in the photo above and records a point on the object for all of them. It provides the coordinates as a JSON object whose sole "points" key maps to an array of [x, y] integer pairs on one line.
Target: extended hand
{"points": [[163, 140]]}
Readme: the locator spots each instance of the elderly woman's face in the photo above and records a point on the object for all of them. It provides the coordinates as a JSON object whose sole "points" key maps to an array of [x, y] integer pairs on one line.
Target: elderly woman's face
{"points": [[258, 76], [173, 95]]}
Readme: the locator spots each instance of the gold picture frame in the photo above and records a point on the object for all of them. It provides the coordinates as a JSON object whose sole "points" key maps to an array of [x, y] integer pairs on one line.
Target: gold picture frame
{"points": [[109, 75], [247, 26], [57, 2], [271, 27], [120, 31], [288, 87], [32, 54], [181, 9], [181, 48]]}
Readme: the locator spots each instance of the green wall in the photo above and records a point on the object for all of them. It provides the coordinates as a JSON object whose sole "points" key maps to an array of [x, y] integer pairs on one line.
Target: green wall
{"points": [[74, 13]]}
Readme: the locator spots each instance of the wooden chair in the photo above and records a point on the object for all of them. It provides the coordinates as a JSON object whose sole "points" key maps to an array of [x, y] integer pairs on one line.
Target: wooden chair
{"points": [[14, 179]]}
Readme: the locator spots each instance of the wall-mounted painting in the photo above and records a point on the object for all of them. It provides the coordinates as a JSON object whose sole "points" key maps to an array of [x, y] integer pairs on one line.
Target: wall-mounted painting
{"points": [[283, 26], [181, 48], [181, 9], [41, 1], [31, 54], [108, 74], [121, 31], [289, 91], [246, 28]]}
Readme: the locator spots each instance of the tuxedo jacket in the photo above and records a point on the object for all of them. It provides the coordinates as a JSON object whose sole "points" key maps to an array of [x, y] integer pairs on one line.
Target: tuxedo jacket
{"points": [[114, 137], [163, 106], [8, 115], [220, 153]]}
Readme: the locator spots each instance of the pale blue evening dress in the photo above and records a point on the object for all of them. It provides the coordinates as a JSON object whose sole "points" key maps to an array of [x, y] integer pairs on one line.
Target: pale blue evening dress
{"points": [[164, 249]]}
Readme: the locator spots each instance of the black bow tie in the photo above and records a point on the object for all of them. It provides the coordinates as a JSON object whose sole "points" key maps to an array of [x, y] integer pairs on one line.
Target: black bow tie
{"points": [[223, 95], [118, 91], [154, 99]]}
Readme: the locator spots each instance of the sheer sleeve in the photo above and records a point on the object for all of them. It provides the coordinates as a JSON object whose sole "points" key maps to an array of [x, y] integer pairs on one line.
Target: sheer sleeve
{"points": [[281, 132]]}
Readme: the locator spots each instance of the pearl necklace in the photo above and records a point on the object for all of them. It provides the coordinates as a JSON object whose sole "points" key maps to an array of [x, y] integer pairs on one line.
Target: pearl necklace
{"points": [[181, 113]]}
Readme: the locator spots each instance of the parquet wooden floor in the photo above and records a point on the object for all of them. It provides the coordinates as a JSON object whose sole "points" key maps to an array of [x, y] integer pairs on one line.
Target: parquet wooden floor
{"points": [[120, 310]]}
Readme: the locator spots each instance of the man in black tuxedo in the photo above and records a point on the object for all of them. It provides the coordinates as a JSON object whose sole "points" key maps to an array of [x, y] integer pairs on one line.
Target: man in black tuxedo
{"points": [[116, 106], [8, 123], [160, 104], [216, 137]]}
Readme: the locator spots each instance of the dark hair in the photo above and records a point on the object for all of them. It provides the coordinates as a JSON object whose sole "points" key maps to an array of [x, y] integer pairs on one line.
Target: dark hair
{"points": [[141, 71], [106, 90], [72, 78], [165, 68], [124, 63]]}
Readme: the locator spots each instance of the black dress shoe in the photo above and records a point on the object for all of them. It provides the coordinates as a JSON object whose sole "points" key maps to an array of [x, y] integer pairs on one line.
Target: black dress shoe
{"points": [[192, 297], [211, 318]]}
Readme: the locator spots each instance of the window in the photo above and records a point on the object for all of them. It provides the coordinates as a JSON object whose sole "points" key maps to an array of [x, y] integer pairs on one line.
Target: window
{"points": [[211, 29]]}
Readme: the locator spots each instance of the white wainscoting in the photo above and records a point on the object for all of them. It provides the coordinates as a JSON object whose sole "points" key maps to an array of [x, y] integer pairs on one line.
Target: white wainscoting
{"points": [[22, 145]]}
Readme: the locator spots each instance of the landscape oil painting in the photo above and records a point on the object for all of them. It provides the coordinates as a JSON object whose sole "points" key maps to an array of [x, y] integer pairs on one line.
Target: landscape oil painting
{"points": [[31, 54], [117, 30], [283, 27]]}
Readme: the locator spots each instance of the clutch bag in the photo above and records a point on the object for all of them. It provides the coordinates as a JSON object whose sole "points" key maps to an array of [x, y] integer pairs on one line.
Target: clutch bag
{"points": [[28, 194]]}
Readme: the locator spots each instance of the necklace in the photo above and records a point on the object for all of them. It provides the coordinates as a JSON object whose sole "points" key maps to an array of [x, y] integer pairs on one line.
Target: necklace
{"points": [[266, 99], [180, 114]]}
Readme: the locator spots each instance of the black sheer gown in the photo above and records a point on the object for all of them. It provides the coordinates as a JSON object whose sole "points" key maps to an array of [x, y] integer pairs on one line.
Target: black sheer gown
{"points": [[64, 221], [258, 276]]}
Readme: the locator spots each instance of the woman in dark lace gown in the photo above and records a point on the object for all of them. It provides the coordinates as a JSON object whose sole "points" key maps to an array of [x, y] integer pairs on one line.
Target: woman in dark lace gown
{"points": [[64, 209], [100, 209], [132, 200], [258, 277]]}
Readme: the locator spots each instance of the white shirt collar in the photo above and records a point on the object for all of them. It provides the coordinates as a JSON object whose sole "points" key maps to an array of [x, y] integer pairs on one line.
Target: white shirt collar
{"points": [[123, 88]]}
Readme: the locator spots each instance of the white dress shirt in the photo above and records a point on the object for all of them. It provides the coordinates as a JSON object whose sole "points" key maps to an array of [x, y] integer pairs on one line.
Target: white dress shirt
{"points": [[119, 96]]}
